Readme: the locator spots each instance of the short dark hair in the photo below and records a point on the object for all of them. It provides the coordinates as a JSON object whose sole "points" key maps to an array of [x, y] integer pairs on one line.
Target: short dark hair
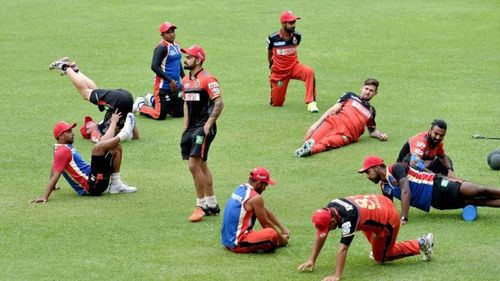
{"points": [[439, 123], [372, 82]]}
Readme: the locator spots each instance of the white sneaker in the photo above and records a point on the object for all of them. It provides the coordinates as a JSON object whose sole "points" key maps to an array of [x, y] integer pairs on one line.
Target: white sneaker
{"points": [[426, 248], [149, 99], [138, 103], [122, 188], [312, 107], [305, 149], [128, 127]]}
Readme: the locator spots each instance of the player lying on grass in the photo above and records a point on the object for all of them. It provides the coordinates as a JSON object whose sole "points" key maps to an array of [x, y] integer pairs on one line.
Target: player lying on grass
{"points": [[423, 190], [109, 100], [104, 169], [344, 122], [377, 217]]}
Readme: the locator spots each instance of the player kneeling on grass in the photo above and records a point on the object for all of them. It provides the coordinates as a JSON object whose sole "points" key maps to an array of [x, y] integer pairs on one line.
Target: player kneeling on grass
{"points": [[377, 217], [95, 178], [243, 207]]}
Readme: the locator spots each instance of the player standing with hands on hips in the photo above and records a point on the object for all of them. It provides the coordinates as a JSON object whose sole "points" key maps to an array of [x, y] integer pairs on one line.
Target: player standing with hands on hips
{"points": [[202, 106], [282, 55]]}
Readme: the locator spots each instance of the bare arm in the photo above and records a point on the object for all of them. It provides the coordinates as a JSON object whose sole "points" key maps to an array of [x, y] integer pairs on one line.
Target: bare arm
{"points": [[110, 133], [276, 222], [332, 110], [341, 258], [48, 190], [218, 106], [186, 116], [405, 197], [256, 204], [318, 245], [445, 161], [270, 57]]}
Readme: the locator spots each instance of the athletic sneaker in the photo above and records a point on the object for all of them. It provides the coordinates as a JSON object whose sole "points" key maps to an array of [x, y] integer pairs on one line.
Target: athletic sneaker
{"points": [[122, 188], [139, 102], [61, 65], [149, 99], [212, 211], [128, 127], [426, 247], [197, 215], [305, 149], [312, 107]]}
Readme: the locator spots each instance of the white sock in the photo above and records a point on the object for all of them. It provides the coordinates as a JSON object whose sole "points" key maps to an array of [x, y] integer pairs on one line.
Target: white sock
{"points": [[116, 179], [122, 135], [200, 202], [211, 201]]}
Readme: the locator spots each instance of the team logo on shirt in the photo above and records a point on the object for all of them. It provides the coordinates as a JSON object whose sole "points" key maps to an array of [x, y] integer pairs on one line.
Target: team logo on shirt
{"points": [[192, 97], [294, 40], [346, 228]]}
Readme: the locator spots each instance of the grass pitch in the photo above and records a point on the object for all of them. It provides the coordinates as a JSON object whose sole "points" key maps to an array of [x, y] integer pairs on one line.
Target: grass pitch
{"points": [[435, 59]]}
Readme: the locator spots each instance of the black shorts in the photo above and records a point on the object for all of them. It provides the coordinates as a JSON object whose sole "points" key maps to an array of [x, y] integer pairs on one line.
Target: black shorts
{"points": [[115, 99], [194, 143], [170, 103], [100, 174], [445, 194]]}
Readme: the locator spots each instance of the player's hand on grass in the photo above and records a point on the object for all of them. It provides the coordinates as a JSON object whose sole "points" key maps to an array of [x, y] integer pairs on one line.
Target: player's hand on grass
{"points": [[39, 200], [383, 137], [308, 265]]}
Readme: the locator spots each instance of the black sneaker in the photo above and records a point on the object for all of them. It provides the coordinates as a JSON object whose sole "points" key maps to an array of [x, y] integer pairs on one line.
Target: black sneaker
{"points": [[212, 211]]}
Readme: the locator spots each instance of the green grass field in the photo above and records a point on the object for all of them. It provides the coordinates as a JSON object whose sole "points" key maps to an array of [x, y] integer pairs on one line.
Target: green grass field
{"points": [[435, 59]]}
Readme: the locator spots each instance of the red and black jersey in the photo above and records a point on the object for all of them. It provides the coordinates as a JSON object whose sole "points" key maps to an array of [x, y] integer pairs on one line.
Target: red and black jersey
{"points": [[199, 91], [356, 114], [421, 146], [363, 212], [284, 51]]}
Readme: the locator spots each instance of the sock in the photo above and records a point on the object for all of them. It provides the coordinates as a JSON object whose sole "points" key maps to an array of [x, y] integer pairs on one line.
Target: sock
{"points": [[211, 201], [421, 242], [200, 202], [116, 179], [122, 135]]}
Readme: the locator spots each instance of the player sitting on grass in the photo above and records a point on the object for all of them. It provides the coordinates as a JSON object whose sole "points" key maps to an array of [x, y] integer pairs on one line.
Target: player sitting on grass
{"points": [[377, 217], [103, 171]]}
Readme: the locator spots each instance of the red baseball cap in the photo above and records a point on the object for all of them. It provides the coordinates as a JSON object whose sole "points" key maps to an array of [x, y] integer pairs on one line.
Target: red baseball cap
{"points": [[195, 51], [62, 127], [371, 161], [83, 128], [262, 174], [164, 27], [321, 220], [287, 16]]}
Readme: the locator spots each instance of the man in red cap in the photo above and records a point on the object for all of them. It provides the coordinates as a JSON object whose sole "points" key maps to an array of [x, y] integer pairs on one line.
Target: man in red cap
{"points": [[282, 55], [167, 66], [104, 169], [108, 100], [344, 122], [90, 130], [377, 217], [424, 190], [242, 209], [202, 106]]}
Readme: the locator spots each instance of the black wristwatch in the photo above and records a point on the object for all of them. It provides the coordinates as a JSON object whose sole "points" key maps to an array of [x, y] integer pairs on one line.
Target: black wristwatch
{"points": [[403, 218]]}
